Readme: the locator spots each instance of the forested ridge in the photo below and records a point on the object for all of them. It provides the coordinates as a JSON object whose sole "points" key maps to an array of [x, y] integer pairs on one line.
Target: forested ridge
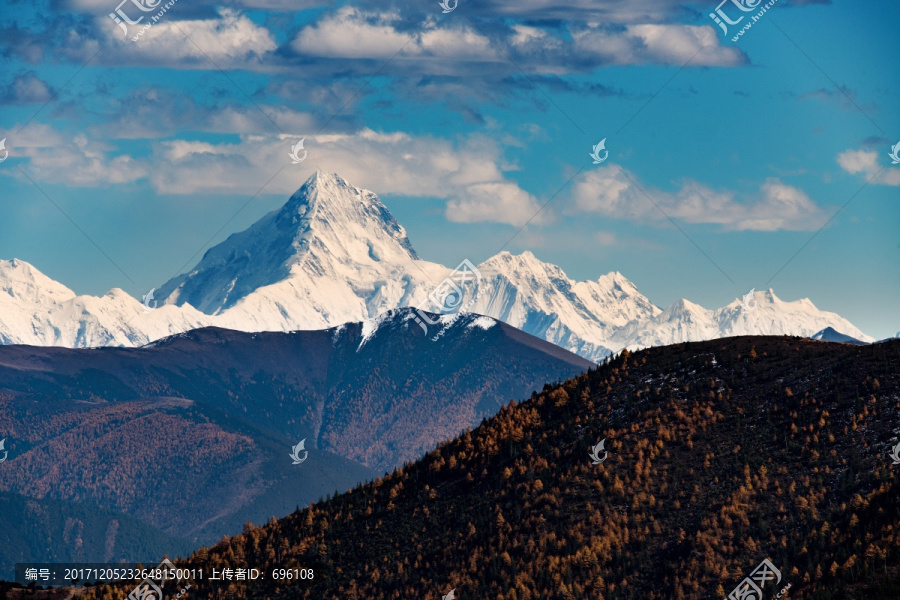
{"points": [[721, 454]]}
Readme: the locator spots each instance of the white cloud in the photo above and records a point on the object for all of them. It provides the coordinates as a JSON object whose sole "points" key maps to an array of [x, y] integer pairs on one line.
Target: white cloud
{"points": [[865, 162], [524, 35], [609, 192], [352, 33], [469, 174], [460, 44], [658, 44], [72, 160], [501, 202], [230, 40], [858, 161]]}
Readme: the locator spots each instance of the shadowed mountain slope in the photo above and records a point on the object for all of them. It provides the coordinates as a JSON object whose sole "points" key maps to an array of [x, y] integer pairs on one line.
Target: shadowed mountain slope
{"points": [[192, 434]]}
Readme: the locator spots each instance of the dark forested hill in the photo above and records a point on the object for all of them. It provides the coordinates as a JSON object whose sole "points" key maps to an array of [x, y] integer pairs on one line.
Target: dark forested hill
{"points": [[192, 434], [721, 454]]}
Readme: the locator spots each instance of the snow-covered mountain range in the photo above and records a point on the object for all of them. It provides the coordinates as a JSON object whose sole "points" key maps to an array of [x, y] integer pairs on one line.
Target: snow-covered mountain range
{"points": [[334, 254]]}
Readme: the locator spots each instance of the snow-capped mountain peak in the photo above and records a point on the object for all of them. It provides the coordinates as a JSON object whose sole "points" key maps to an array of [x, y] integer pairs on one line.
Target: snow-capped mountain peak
{"points": [[683, 308], [35, 309], [617, 283], [327, 228], [331, 209], [334, 254], [539, 297], [20, 280]]}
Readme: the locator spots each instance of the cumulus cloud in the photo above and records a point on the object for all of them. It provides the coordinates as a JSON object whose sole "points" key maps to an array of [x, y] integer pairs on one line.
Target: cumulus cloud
{"points": [[461, 63], [611, 192], [865, 162], [501, 202], [858, 161], [74, 160], [230, 40], [351, 33]]}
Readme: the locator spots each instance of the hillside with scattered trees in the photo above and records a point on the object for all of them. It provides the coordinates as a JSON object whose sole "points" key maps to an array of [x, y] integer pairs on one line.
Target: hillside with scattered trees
{"points": [[720, 454]]}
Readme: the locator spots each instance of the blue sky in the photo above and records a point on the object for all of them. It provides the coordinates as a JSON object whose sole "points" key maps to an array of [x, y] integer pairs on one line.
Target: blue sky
{"points": [[732, 165]]}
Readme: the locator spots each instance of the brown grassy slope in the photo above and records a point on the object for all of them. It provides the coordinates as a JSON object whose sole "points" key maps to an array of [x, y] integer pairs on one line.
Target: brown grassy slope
{"points": [[721, 454]]}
